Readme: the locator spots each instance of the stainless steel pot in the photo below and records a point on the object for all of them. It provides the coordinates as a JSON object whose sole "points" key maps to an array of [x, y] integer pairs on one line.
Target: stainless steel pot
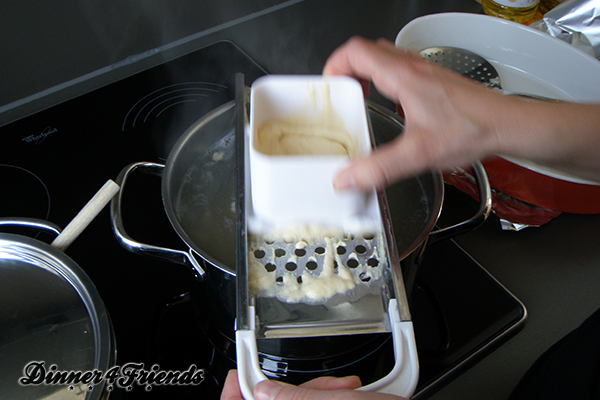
{"points": [[198, 187], [50, 313]]}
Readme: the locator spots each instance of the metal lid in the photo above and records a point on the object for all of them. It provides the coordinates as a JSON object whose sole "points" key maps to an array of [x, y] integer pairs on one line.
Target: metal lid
{"points": [[50, 312]]}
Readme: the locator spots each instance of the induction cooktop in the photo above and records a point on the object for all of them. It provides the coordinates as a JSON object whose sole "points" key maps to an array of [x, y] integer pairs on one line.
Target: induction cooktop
{"points": [[53, 161]]}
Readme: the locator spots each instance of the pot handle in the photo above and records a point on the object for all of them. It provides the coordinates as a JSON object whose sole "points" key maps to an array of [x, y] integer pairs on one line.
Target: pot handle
{"points": [[32, 223], [485, 208], [163, 253]]}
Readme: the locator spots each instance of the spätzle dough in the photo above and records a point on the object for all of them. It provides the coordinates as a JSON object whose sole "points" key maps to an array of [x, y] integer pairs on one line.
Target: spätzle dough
{"points": [[301, 135]]}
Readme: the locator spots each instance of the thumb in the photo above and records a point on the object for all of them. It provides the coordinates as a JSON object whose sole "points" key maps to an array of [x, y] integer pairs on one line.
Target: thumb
{"points": [[389, 163], [272, 390]]}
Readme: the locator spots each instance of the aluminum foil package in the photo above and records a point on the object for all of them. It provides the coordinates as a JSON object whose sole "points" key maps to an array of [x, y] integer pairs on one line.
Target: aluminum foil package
{"points": [[575, 21]]}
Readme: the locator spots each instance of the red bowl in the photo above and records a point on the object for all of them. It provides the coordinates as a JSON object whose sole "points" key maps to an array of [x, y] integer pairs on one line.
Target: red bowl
{"points": [[542, 190], [539, 189]]}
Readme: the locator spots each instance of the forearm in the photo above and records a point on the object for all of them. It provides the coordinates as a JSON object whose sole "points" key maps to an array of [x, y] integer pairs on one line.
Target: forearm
{"points": [[565, 136]]}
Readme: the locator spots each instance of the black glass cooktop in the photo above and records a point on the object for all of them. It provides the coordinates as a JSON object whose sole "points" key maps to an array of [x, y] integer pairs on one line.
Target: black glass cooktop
{"points": [[52, 162]]}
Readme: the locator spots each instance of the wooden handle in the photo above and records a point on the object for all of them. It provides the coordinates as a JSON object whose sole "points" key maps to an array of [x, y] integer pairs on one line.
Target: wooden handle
{"points": [[86, 215]]}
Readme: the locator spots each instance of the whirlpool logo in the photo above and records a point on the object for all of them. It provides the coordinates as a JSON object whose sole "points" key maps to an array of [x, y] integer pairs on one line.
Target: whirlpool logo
{"points": [[40, 137]]}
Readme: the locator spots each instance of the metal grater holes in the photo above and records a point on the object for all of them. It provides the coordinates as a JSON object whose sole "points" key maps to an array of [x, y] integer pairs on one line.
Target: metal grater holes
{"points": [[295, 270], [312, 265], [279, 253], [284, 259], [458, 62], [291, 266], [270, 267]]}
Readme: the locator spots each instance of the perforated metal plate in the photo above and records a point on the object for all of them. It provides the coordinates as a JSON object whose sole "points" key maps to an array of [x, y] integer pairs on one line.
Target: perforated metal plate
{"points": [[464, 63], [314, 268]]}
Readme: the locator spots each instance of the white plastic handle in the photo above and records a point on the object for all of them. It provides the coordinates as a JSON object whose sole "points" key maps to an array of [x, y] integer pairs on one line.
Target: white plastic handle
{"points": [[249, 372], [248, 367], [401, 381]]}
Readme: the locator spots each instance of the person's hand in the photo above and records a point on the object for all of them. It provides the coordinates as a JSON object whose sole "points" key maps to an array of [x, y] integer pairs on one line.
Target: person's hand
{"points": [[452, 121], [324, 388], [441, 130], [231, 389]]}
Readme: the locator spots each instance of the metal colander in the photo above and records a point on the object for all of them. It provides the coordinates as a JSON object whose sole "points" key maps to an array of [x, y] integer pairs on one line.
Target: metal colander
{"points": [[464, 62]]}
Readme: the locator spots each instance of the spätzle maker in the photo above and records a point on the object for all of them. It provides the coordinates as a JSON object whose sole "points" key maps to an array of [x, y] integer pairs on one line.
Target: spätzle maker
{"points": [[315, 277]]}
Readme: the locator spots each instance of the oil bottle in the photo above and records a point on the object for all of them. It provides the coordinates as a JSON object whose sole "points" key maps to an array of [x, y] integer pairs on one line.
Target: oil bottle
{"points": [[547, 5], [513, 10]]}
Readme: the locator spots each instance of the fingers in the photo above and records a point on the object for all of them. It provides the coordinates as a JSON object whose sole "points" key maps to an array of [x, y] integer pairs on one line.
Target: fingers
{"points": [[332, 383], [351, 59], [271, 390], [231, 388], [356, 58], [340, 64], [323, 388], [407, 155], [378, 62]]}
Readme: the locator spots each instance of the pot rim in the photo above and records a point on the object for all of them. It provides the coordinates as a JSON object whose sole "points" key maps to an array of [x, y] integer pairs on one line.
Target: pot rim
{"points": [[41, 255], [180, 146]]}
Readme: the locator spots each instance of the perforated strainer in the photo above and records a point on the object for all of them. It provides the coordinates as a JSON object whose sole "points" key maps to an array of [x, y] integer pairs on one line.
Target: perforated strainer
{"points": [[473, 66], [464, 62]]}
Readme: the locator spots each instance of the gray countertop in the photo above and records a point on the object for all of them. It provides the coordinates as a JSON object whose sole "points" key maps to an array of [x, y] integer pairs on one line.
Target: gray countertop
{"points": [[554, 270]]}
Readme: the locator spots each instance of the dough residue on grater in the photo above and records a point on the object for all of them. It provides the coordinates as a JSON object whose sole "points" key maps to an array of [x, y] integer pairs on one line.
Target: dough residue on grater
{"points": [[316, 266]]}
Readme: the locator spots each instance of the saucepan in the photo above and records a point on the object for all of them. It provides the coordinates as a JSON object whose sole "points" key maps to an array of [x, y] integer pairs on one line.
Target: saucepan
{"points": [[52, 319], [198, 193]]}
